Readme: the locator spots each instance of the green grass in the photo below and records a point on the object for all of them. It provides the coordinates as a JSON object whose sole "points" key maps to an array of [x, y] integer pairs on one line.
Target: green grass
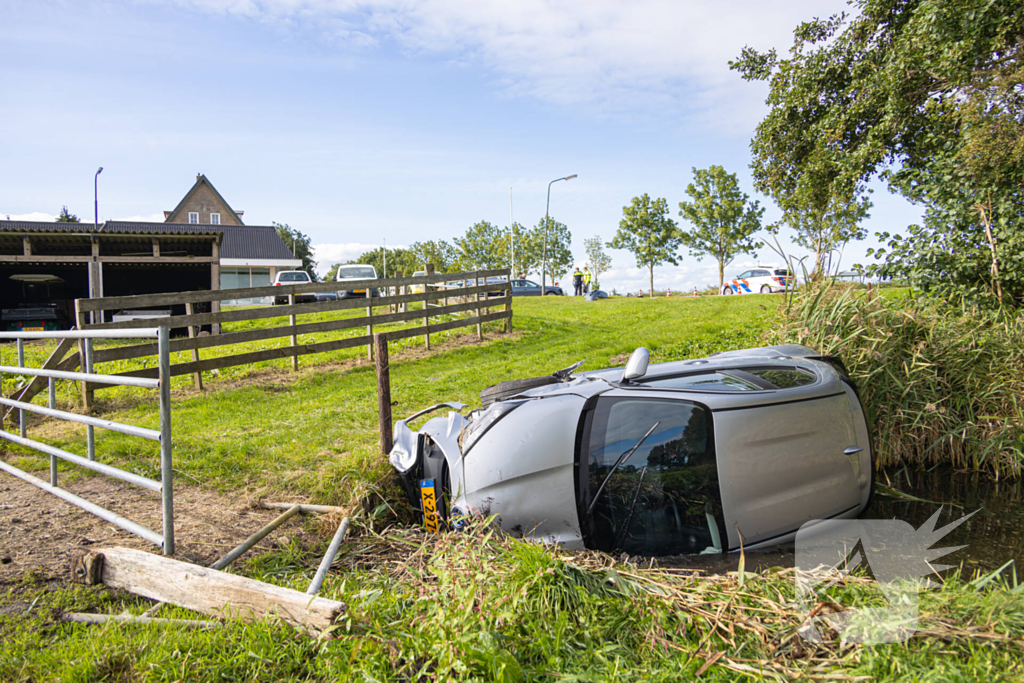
{"points": [[308, 432], [470, 606]]}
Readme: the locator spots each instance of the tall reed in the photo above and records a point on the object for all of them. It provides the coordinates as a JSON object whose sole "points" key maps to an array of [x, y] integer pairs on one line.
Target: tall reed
{"points": [[943, 383]]}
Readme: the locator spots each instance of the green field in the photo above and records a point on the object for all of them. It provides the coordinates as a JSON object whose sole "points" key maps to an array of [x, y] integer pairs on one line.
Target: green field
{"points": [[470, 606]]}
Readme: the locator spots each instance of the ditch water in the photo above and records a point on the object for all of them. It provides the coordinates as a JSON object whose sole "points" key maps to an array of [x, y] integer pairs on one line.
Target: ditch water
{"points": [[993, 536]]}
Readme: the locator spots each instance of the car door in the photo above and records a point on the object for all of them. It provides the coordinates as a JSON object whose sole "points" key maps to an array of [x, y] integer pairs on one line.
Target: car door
{"points": [[783, 464]]}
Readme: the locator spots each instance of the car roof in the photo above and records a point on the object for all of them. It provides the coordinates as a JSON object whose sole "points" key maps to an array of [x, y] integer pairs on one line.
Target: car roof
{"points": [[785, 356]]}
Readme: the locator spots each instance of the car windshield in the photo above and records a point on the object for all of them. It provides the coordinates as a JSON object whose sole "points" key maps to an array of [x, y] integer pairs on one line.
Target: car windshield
{"points": [[664, 499], [293, 277], [356, 273]]}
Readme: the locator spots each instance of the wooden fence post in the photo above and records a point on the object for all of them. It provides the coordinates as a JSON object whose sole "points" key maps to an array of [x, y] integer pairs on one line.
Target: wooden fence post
{"points": [[295, 338], [397, 308], [380, 343], [426, 318], [369, 321], [197, 377], [508, 306], [479, 313]]}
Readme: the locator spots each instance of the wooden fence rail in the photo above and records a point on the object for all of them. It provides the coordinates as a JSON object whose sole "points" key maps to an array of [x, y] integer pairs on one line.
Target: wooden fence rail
{"points": [[442, 294]]}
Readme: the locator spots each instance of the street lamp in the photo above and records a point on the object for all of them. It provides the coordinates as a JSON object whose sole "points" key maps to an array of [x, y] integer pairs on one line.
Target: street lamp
{"points": [[95, 195], [544, 253]]}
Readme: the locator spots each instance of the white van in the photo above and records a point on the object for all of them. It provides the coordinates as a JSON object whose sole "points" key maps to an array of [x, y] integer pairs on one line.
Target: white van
{"points": [[358, 271]]}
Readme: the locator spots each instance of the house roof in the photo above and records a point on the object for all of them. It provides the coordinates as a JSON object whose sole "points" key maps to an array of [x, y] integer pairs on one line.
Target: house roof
{"points": [[202, 180], [253, 242], [238, 241]]}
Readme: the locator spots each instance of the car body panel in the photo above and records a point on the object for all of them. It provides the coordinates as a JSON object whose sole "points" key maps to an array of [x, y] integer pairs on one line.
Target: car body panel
{"points": [[524, 287], [532, 490], [285, 278]]}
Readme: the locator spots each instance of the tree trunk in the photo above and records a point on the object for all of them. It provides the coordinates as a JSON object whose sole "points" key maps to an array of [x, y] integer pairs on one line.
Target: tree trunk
{"points": [[721, 275], [992, 245], [651, 270]]}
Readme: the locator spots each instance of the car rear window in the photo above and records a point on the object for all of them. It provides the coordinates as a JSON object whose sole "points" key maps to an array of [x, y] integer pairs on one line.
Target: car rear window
{"points": [[357, 273], [783, 273], [664, 499], [293, 277]]}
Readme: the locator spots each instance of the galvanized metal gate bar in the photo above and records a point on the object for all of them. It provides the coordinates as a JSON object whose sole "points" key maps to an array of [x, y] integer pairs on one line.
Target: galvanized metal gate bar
{"points": [[163, 384]]}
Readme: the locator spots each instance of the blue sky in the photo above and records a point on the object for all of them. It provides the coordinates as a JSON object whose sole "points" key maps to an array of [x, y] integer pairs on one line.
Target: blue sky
{"points": [[358, 122]]}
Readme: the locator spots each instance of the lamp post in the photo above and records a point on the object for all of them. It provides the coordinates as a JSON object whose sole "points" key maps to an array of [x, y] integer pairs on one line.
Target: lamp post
{"points": [[96, 196], [544, 252]]}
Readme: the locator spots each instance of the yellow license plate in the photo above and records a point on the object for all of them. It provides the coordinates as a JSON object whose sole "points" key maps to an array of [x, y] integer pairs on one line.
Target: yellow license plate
{"points": [[431, 520], [33, 329], [359, 291]]}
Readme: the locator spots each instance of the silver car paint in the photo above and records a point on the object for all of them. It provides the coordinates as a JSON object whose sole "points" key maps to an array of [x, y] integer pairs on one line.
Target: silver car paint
{"points": [[532, 488]]}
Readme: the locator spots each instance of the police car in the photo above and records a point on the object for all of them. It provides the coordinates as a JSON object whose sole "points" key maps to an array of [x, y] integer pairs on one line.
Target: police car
{"points": [[760, 280]]}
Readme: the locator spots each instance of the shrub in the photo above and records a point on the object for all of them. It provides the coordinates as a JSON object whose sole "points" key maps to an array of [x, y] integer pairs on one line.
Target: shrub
{"points": [[942, 383]]}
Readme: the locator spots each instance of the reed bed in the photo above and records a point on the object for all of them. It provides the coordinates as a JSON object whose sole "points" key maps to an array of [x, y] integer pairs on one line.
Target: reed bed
{"points": [[942, 383]]}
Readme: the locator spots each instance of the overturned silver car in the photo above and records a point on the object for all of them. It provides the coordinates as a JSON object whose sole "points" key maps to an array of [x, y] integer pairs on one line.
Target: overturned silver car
{"points": [[695, 456]]}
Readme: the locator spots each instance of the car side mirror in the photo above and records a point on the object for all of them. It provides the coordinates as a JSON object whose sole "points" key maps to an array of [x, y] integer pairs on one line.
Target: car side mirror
{"points": [[637, 365]]}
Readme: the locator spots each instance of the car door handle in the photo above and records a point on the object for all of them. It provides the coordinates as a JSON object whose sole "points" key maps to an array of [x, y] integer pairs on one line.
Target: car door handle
{"points": [[852, 450]]}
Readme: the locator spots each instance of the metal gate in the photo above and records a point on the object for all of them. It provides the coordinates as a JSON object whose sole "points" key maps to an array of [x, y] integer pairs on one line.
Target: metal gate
{"points": [[163, 436]]}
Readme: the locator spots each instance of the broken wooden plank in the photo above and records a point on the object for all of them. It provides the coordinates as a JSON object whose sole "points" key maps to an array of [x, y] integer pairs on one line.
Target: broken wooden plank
{"points": [[39, 383], [211, 592]]}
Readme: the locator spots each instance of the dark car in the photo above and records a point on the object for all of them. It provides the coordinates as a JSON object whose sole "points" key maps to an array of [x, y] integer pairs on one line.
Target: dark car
{"points": [[522, 287]]}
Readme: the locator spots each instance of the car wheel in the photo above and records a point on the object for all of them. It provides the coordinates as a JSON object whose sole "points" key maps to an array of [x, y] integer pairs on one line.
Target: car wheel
{"points": [[726, 291], [765, 289], [550, 294], [499, 392]]}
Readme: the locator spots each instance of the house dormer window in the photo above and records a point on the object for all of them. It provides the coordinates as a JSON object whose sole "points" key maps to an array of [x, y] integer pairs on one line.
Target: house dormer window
{"points": [[215, 219], [193, 216]]}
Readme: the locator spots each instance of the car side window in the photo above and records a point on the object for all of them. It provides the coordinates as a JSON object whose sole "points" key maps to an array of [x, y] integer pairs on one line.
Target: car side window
{"points": [[783, 378], [531, 284], [705, 381], [760, 273], [664, 499], [743, 275]]}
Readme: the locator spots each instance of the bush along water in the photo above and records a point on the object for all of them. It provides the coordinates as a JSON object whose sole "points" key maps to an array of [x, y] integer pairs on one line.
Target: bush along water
{"points": [[944, 384]]}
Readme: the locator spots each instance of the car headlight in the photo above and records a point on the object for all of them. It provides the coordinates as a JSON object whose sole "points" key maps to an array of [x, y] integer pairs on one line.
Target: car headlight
{"points": [[484, 421]]}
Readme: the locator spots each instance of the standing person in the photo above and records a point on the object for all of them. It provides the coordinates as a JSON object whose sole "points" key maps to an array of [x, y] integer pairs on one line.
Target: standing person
{"points": [[577, 282], [586, 280]]}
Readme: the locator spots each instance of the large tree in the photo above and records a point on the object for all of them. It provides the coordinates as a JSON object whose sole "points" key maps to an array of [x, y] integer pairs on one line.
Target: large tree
{"points": [[438, 252], [823, 230], [926, 94], [484, 246], [396, 259], [300, 246], [559, 252], [723, 217], [648, 232], [597, 258]]}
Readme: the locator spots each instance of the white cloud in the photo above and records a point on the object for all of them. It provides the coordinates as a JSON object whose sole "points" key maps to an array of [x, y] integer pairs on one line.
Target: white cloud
{"points": [[617, 56], [34, 216]]}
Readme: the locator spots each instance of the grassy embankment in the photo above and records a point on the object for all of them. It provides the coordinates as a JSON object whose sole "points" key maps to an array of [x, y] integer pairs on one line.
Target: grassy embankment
{"points": [[474, 606]]}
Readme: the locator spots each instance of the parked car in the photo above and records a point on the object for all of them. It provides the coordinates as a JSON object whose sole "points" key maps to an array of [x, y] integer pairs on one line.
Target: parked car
{"points": [[596, 294], [521, 287], [418, 289], [293, 277], [685, 457], [760, 280], [353, 273]]}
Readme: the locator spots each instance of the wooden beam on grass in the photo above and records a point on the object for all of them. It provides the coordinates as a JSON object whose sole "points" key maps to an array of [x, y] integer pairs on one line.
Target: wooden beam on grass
{"points": [[204, 590]]}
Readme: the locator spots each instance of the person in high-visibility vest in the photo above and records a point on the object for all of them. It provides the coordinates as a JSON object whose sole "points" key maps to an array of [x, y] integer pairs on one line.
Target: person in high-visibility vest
{"points": [[586, 280], [577, 281]]}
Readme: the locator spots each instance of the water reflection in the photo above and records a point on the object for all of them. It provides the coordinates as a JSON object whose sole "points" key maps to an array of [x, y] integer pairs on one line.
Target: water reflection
{"points": [[992, 536]]}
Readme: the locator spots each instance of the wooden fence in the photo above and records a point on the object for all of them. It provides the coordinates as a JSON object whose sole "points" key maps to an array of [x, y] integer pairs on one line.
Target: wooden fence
{"points": [[457, 293]]}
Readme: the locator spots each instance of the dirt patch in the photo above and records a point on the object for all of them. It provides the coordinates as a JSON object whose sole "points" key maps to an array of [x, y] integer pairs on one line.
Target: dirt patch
{"points": [[38, 531]]}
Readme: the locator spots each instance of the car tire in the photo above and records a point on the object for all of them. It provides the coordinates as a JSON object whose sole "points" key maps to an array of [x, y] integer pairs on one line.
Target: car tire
{"points": [[726, 291], [550, 294], [765, 289], [499, 392]]}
